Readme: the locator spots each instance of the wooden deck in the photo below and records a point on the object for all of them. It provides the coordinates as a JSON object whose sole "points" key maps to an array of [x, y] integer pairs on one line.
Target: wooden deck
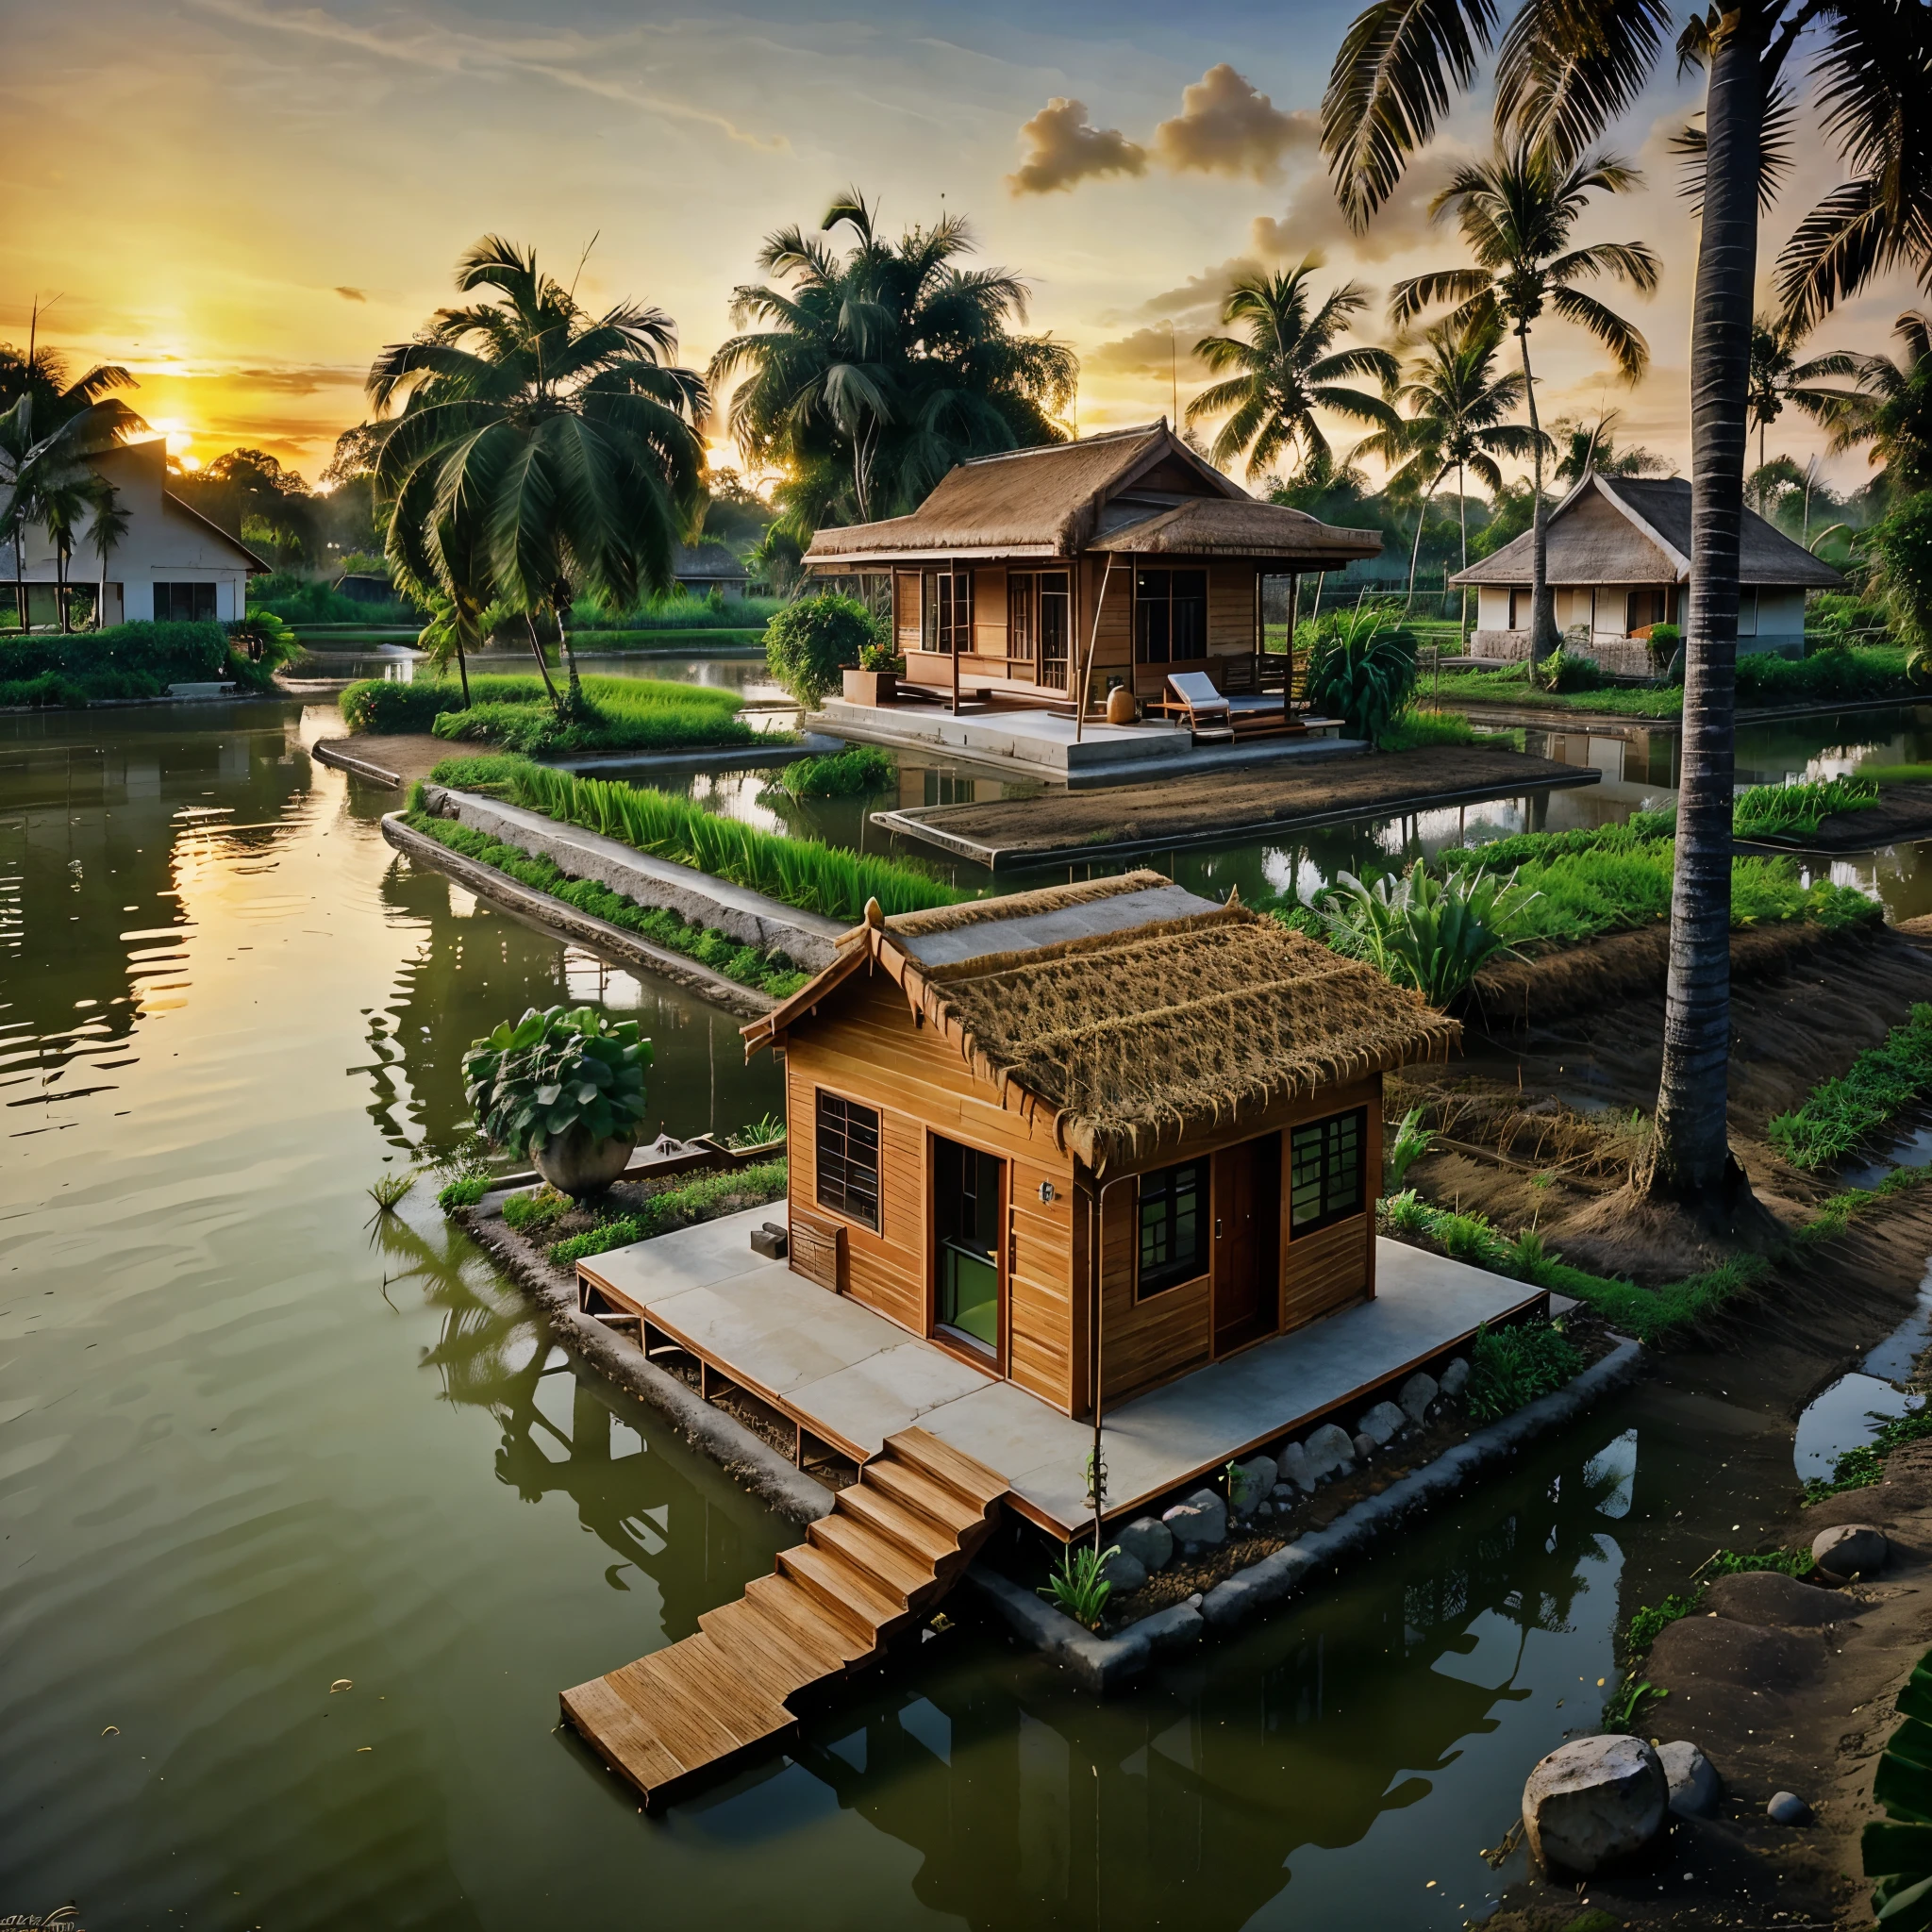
{"points": [[894, 1543]]}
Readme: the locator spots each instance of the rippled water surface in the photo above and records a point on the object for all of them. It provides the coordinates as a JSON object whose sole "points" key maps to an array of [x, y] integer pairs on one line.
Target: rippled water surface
{"points": [[252, 1445]]}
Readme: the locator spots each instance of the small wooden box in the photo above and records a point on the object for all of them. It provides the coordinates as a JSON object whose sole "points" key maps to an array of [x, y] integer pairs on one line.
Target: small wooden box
{"points": [[818, 1250]]}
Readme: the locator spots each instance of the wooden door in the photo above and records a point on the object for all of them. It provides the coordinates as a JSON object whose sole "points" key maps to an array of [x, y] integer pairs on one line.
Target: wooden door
{"points": [[969, 1223], [1247, 1242]]}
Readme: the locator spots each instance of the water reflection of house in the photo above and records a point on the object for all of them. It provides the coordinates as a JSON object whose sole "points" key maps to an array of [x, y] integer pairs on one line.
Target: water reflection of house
{"points": [[1620, 564], [1192, 1801]]}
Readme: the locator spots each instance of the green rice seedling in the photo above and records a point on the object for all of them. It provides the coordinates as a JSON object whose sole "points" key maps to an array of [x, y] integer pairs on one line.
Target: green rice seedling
{"points": [[1076, 1586], [1842, 1113], [388, 1190], [463, 1193], [1775, 811], [701, 1198], [531, 1212], [1416, 727], [848, 773]]}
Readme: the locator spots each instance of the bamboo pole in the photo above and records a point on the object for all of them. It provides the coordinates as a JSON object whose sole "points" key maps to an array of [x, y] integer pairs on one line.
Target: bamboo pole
{"points": [[1092, 646]]}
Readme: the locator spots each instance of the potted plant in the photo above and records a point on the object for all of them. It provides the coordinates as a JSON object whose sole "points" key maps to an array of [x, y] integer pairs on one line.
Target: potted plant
{"points": [[877, 681], [566, 1085]]}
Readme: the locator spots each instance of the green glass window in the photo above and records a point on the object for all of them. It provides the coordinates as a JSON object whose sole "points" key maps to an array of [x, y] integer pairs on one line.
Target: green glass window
{"points": [[966, 1213], [1325, 1171], [1174, 1226]]}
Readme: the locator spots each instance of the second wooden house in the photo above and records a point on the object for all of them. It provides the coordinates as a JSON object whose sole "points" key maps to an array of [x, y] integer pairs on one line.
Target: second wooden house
{"points": [[1109, 1128]]}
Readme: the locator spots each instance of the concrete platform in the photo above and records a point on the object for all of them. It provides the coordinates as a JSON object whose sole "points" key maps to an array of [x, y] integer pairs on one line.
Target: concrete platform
{"points": [[1041, 744], [852, 1378]]}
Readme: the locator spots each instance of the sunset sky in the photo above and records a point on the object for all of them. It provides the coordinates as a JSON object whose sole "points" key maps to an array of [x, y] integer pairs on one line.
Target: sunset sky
{"points": [[244, 199]]}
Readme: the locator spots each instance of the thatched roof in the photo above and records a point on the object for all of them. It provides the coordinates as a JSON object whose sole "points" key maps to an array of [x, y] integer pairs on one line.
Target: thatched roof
{"points": [[1637, 530], [1065, 498], [1144, 1034]]}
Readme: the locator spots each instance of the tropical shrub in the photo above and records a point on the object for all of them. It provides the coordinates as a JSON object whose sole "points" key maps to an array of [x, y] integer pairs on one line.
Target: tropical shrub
{"points": [[1434, 935], [1661, 647], [1903, 545], [532, 1082], [847, 774], [263, 637], [1509, 1367], [1897, 1849], [1412, 1140], [1363, 671], [1570, 671], [125, 660], [809, 644]]}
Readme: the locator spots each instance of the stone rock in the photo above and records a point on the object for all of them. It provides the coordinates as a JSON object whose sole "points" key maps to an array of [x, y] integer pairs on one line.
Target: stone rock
{"points": [[1695, 1653], [1771, 1599], [1148, 1540], [1290, 1467], [1264, 1507], [1418, 1392], [1252, 1480], [1594, 1801], [1786, 1807], [1202, 1519], [1283, 1493], [1127, 1574], [1364, 1448], [1328, 1450], [1455, 1379], [1383, 1423], [1693, 1784], [1853, 1549]]}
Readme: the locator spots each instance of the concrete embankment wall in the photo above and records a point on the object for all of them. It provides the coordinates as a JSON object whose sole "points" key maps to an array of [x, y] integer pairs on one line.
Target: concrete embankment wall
{"points": [[748, 917]]}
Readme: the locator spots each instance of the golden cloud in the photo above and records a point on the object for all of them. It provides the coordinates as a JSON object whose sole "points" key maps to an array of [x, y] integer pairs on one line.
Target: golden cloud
{"points": [[1152, 351], [352, 294], [1314, 221], [1226, 126], [1065, 147]]}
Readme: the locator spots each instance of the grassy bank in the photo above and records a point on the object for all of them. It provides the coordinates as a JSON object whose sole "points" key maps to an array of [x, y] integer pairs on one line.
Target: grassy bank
{"points": [[515, 714], [701, 1198], [1843, 1113], [1764, 680], [126, 660], [1648, 1313], [799, 872], [769, 973], [1783, 811]]}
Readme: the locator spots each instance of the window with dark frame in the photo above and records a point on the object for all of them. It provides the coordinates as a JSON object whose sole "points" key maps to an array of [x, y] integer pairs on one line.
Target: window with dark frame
{"points": [[1170, 616], [1174, 1226], [848, 1159], [184, 603], [1023, 591], [948, 618], [1324, 1170]]}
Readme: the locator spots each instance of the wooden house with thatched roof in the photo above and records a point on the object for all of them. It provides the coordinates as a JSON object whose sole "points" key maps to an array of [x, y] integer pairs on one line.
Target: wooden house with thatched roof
{"points": [[1109, 1130], [1112, 559], [1620, 564]]}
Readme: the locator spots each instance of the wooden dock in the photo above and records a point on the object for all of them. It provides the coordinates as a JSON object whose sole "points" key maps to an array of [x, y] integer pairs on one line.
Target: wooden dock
{"points": [[896, 1542]]}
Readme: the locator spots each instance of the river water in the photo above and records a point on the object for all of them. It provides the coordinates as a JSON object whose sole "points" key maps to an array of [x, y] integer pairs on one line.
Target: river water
{"points": [[254, 1443]]}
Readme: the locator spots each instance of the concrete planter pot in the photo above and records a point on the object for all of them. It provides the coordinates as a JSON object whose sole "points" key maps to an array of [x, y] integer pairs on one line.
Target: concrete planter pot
{"points": [[575, 1165], [872, 687]]}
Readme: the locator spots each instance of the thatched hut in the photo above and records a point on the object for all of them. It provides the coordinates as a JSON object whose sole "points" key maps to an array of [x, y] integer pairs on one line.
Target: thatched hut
{"points": [[1111, 1122], [1619, 563], [1120, 558]]}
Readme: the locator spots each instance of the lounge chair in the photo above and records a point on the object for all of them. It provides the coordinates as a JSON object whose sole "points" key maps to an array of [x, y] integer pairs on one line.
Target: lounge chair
{"points": [[1203, 707]]}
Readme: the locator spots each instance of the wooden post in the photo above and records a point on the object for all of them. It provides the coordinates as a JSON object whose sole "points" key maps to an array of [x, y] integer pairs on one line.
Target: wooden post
{"points": [[1092, 646], [956, 638]]}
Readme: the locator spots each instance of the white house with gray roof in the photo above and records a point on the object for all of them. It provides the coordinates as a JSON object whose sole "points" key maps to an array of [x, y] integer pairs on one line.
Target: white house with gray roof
{"points": [[1619, 563]]}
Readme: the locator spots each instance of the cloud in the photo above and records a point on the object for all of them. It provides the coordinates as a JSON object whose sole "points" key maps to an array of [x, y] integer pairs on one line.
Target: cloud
{"points": [[1314, 221], [1199, 298], [1225, 126], [352, 294], [1147, 352], [1065, 147]]}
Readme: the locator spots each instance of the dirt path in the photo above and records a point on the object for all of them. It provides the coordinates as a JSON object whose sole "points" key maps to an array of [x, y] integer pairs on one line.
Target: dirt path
{"points": [[395, 758], [1094, 825]]}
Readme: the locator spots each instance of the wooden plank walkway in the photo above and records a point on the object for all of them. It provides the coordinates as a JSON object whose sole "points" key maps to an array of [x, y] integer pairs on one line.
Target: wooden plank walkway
{"points": [[896, 1542]]}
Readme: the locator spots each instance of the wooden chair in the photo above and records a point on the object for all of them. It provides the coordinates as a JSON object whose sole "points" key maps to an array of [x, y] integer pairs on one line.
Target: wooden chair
{"points": [[1203, 710]]}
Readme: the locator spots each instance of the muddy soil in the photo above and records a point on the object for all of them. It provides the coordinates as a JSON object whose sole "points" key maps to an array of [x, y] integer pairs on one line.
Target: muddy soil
{"points": [[1027, 831]]}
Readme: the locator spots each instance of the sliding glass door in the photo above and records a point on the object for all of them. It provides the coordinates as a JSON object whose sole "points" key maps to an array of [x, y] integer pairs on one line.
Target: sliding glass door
{"points": [[969, 1212]]}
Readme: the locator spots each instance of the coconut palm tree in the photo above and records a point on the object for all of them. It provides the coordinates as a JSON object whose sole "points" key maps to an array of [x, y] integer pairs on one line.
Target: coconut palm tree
{"points": [[1457, 404], [35, 462], [111, 525], [42, 374], [1517, 211], [1778, 377], [1591, 447], [872, 372], [1891, 408], [1286, 367], [1563, 72], [541, 452]]}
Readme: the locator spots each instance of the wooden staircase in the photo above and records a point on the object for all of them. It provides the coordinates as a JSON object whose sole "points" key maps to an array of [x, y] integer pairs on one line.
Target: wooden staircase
{"points": [[896, 1542]]}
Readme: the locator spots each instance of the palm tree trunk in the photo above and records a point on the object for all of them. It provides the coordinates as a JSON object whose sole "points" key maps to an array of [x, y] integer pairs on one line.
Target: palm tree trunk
{"points": [[570, 658], [60, 588], [463, 669], [537, 647], [1463, 508], [101, 596], [18, 583], [1542, 600], [1691, 1159]]}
